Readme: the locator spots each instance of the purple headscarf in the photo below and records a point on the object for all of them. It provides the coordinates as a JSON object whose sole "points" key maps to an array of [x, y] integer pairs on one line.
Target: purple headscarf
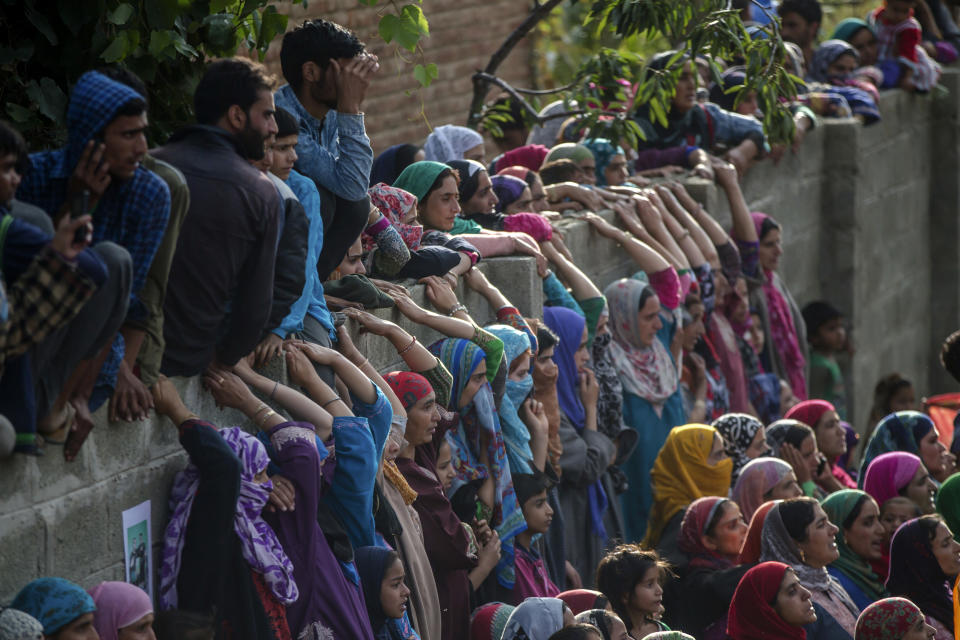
{"points": [[258, 542], [508, 190], [888, 473]]}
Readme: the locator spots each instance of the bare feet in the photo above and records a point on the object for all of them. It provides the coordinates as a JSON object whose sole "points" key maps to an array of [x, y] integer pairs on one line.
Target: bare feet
{"points": [[82, 426]]}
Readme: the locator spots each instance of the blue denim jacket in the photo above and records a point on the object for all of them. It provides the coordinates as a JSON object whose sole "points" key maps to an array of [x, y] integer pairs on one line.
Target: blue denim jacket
{"points": [[334, 152]]}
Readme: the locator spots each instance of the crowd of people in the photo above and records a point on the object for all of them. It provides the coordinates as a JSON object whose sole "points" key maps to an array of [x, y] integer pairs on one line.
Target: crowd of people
{"points": [[665, 457]]}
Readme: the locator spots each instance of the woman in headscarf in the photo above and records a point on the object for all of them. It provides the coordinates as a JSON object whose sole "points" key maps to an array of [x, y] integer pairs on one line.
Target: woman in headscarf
{"points": [[752, 545], [900, 474], [743, 440], [63, 608], [530, 156], [762, 480], [580, 600], [785, 351], [391, 163], [770, 604], [909, 431], [799, 533], [795, 443], [822, 417], [537, 619], [948, 503], [643, 326], [893, 619], [399, 209], [488, 621], [476, 441], [610, 625], [384, 591], [857, 32], [124, 612], [579, 154], [611, 163], [452, 142], [711, 536], [586, 452], [691, 465], [924, 564], [833, 71], [17, 625], [513, 194], [859, 541]]}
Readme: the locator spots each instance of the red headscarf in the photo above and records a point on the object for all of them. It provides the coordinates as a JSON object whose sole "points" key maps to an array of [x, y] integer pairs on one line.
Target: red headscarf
{"points": [[410, 387], [751, 546], [809, 412], [695, 521], [580, 600], [530, 156], [516, 171], [752, 617]]}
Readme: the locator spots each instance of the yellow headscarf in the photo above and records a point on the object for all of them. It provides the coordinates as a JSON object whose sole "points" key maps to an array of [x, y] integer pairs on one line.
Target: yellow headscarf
{"points": [[681, 475]]}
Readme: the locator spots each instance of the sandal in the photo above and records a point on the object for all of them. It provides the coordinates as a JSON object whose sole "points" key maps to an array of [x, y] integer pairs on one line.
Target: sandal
{"points": [[56, 429]]}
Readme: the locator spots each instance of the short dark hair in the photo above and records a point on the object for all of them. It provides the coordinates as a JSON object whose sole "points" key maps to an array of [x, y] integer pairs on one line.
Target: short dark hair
{"points": [[797, 514], [950, 355], [621, 570], [287, 123], [546, 338], [578, 631], [527, 485], [317, 41], [228, 82], [128, 78], [12, 143], [562, 170], [809, 10]]}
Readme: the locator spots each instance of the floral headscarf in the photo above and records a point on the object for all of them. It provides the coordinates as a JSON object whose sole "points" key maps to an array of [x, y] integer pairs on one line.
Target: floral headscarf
{"points": [[395, 204], [647, 371], [840, 507], [738, 431], [603, 151], [258, 542], [757, 478], [889, 473], [887, 619], [409, 387], [450, 142], [899, 431], [825, 55], [681, 474], [915, 573]]}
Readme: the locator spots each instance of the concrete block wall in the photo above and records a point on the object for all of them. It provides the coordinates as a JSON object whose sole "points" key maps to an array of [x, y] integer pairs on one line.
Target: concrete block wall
{"points": [[870, 223]]}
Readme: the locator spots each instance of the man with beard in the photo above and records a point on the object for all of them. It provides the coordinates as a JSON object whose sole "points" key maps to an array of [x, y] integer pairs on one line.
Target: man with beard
{"points": [[328, 72], [220, 288]]}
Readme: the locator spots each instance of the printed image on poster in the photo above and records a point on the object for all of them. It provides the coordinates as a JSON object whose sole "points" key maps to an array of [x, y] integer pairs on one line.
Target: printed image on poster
{"points": [[137, 545]]}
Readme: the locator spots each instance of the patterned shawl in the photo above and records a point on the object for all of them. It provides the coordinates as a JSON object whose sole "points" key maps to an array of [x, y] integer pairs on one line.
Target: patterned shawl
{"points": [[395, 205], [899, 431], [839, 507], [681, 474], [887, 619], [603, 151], [777, 545], [738, 431], [783, 333], [915, 573], [462, 357], [515, 432], [757, 478], [647, 371], [610, 401], [258, 542]]}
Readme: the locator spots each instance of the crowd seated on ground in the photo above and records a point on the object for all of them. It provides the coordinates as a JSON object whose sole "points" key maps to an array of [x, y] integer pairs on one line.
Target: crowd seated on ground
{"points": [[662, 456]]}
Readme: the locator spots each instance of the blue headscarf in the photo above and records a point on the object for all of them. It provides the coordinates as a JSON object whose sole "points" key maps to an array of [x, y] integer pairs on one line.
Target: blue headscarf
{"points": [[515, 432], [603, 152], [900, 431], [569, 325], [388, 165], [825, 55], [462, 357], [55, 602]]}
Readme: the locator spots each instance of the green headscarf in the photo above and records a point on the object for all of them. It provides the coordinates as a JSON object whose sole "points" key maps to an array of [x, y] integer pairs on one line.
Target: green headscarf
{"points": [[838, 507], [419, 177], [846, 28], [948, 504], [570, 151]]}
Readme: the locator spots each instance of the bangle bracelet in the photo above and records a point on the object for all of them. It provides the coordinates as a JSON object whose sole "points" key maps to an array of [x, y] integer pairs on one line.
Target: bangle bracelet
{"points": [[263, 405], [329, 402], [266, 417], [361, 365], [408, 347], [456, 309], [274, 392]]}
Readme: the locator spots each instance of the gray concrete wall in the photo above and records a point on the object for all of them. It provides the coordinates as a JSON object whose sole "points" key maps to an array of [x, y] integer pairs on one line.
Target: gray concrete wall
{"points": [[870, 223]]}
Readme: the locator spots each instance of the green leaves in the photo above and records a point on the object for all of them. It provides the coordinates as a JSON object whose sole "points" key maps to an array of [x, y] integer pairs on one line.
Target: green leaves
{"points": [[407, 27], [425, 74], [121, 14], [49, 98]]}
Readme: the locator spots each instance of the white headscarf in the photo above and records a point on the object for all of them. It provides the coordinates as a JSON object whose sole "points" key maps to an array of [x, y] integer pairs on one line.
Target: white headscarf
{"points": [[449, 142]]}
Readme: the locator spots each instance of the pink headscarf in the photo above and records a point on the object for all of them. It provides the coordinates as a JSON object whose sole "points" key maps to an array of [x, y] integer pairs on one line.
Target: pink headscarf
{"points": [[757, 478], [783, 333], [516, 171], [809, 412], [888, 473], [530, 156], [119, 605]]}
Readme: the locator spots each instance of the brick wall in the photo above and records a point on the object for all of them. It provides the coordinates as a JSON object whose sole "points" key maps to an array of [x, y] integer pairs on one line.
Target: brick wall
{"points": [[463, 36]]}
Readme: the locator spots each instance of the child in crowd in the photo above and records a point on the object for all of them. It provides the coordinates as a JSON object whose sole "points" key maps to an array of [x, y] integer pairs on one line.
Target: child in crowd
{"points": [[632, 579], [899, 37], [827, 338], [384, 591], [532, 580]]}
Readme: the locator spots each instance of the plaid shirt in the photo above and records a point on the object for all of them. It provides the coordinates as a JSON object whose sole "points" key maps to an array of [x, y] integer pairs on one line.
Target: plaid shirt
{"points": [[45, 297]]}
